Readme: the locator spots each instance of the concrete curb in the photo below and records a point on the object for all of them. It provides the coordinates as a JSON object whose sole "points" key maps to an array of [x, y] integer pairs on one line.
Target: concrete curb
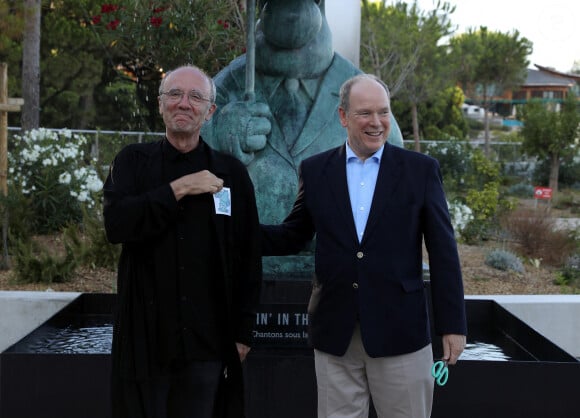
{"points": [[554, 316], [23, 311]]}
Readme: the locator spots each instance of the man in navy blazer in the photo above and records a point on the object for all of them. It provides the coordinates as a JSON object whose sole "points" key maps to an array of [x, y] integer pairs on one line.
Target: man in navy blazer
{"points": [[372, 207]]}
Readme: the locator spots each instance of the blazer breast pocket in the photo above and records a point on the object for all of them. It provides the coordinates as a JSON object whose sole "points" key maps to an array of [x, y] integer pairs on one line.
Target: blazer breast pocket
{"points": [[402, 212]]}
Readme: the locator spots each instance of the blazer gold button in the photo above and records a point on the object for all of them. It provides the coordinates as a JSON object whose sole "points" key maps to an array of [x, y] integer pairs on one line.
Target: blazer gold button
{"points": [[360, 255], [355, 285]]}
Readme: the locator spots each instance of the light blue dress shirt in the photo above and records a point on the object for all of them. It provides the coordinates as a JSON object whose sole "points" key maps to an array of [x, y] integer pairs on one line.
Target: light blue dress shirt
{"points": [[361, 177]]}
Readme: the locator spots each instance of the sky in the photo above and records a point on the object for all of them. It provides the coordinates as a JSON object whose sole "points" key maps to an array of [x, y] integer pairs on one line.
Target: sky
{"points": [[553, 27]]}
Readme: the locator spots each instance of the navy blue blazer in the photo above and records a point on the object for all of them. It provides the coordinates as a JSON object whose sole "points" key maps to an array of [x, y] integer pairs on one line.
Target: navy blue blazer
{"points": [[379, 281]]}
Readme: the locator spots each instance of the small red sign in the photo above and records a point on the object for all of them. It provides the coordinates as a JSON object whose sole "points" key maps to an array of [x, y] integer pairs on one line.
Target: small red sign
{"points": [[542, 193]]}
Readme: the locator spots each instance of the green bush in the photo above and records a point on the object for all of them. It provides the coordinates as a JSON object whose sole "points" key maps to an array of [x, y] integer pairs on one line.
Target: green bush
{"points": [[454, 158], [568, 174], [17, 208], [483, 196], [55, 258], [569, 274], [475, 124], [487, 206], [567, 200], [51, 170], [522, 190], [534, 233], [90, 245], [34, 263], [504, 260]]}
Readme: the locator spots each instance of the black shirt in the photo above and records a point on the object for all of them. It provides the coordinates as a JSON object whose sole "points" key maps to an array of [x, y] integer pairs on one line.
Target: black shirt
{"points": [[199, 320]]}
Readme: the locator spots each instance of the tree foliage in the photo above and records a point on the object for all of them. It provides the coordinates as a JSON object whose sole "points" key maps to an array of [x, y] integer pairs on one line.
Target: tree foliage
{"points": [[432, 71], [441, 117], [141, 39], [488, 63], [101, 63], [551, 133], [11, 31], [70, 66], [403, 45], [388, 49]]}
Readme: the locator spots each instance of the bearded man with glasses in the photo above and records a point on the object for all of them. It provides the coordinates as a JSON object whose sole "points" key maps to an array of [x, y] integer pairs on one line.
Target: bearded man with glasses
{"points": [[190, 270]]}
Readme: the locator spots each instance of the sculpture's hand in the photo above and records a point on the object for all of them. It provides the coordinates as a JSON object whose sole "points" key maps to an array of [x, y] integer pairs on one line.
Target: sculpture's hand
{"points": [[241, 129]]}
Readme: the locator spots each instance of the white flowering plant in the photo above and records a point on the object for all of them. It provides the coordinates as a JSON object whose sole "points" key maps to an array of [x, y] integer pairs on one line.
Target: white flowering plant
{"points": [[461, 215], [55, 175], [454, 157]]}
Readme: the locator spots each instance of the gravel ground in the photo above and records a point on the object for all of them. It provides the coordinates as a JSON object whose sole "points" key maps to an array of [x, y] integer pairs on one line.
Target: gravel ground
{"points": [[479, 279]]}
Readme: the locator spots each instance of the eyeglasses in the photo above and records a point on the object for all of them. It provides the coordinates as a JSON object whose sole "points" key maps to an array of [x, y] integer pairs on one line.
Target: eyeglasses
{"points": [[194, 97]]}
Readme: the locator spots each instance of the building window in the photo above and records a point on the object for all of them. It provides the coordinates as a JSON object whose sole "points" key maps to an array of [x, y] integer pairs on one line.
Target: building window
{"points": [[549, 94]]}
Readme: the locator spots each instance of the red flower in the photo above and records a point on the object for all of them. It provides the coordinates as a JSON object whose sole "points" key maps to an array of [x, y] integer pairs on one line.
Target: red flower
{"points": [[109, 8], [112, 25], [95, 20], [156, 21], [226, 25], [220, 22]]}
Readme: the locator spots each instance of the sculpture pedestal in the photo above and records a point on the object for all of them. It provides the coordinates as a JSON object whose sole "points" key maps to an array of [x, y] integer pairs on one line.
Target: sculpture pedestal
{"points": [[51, 374]]}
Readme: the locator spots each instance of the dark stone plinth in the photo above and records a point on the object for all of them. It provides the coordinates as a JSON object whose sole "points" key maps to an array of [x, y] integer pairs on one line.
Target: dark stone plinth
{"points": [[533, 379], [35, 382]]}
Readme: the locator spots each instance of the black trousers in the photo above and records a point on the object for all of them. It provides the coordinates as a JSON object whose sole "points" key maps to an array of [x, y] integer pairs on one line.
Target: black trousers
{"points": [[189, 392]]}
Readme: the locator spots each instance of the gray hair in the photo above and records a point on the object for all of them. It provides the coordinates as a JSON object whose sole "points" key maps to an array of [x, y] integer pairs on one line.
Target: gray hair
{"points": [[213, 90], [347, 86]]}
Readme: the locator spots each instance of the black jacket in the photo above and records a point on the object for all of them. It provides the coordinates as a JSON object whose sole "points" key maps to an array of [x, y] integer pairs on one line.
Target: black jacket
{"points": [[378, 281], [139, 212]]}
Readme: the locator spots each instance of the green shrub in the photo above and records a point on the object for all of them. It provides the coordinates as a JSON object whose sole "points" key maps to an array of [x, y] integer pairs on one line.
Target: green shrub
{"points": [[454, 158], [567, 200], [486, 205], [534, 233], [34, 263], [504, 260], [50, 168], [522, 190], [484, 202], [475, 124], [475, 232], [18, 209], [55, 258], [483, 171], [569, 274], [90, 245], [568, 173], [483, 196]]}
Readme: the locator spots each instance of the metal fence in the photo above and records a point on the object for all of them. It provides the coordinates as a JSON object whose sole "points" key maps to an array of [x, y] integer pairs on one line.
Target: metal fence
{"points": [[105, 144]]}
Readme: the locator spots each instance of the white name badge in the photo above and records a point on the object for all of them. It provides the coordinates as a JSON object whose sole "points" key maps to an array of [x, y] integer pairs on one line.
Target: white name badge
{"points": [[223, 202]]}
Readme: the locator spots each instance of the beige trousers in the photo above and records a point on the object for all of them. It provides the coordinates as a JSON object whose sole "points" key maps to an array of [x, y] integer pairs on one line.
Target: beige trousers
{"points": [[400, 386]]}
